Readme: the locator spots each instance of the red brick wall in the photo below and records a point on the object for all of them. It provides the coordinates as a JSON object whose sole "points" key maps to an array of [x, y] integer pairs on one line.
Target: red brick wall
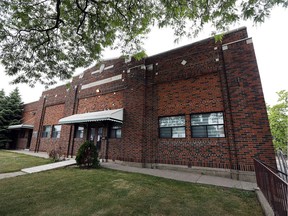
{"points": [[134, 116], [201, 94], [249, 116], [195, 95], [53, 114], [210, 80], [170, 92], [51, 117], [21, 143], [49, 98], [28, 118], [29, 112], [101, 102]]}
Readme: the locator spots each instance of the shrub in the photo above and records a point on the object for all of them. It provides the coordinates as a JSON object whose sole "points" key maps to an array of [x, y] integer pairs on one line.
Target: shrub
{"points": [[56, 155], [87, 155]]}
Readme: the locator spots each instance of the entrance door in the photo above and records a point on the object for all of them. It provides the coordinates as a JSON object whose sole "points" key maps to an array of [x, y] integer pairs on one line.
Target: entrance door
{"points": [[92, 134], [30, 132], [99, 138]]}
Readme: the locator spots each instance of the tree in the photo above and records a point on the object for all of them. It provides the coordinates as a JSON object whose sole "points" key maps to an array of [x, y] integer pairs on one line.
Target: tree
{"points": [[14, 107], [10, 114], [87, 156], [278, 119], [3, 120], [44, 39], [2, 103]]}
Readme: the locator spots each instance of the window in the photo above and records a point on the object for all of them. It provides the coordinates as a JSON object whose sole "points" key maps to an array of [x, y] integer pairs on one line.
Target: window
{"points": [[207, 125], [172, 127], [56, 131], [46, 131], [92, 134], [79, 133], [116, 131]]}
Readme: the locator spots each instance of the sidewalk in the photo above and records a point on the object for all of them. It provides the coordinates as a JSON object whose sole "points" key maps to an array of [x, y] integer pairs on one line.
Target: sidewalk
{"points": [[51, 166], [32, 153], [185, 176], [67, 162], [169, 174]]}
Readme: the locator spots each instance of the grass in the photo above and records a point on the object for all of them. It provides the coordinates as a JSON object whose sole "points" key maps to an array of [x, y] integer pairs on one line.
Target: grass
{"points": [[74, 191], [12, 162]]}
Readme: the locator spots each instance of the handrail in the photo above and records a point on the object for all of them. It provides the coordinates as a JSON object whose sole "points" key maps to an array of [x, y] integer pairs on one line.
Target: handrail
{"points": [[274, 188], [277, 171]]}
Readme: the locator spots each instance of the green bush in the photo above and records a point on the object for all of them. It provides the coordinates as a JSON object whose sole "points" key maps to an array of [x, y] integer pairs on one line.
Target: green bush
{"points": [[87, 156]]}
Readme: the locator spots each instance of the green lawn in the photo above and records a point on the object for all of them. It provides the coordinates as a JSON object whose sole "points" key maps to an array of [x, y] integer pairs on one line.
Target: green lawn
{"points": [[12, 162], [74, 191]]}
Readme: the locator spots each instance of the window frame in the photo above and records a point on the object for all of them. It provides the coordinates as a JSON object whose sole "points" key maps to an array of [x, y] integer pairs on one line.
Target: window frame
{"points": [[171, 128], [113, 131], [48, 135], [58, 133], [77, 129], [207, 126]]}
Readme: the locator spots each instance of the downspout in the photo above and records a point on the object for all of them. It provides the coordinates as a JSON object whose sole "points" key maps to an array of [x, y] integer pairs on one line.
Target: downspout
{"points": [[37, 146], [231, 117], [107, 142], [72, 150], [71, 137], [144, 128]]}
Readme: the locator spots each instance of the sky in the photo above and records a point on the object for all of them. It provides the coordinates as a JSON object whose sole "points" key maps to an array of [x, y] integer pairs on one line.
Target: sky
{"points": [[270, 41]]}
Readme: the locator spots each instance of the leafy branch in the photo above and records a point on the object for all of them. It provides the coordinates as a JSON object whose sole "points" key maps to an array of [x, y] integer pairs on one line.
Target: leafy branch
{"points": [[41, 40]]}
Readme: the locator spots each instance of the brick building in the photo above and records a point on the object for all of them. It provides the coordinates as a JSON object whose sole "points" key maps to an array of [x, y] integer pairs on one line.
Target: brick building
{"points": [[198, 107]]}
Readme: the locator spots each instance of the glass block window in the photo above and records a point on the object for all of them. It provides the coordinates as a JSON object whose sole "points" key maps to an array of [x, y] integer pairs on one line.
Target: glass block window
{"points": [[172, 127], [116, 131], [207, 125], [46, 132], [56, 131], [79, 132]]}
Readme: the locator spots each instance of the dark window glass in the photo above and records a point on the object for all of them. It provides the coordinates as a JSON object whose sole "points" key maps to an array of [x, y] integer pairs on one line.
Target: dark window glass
{"points": [[199, 131], [172, 127], [79, 133], [46, 131], [116, 131], [56, 131], [207, 125], [165, 132]]}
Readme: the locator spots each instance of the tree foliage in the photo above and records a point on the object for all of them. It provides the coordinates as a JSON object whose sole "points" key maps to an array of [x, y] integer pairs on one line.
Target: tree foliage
{"points": [[10, 113], [44, 39], [278, 119]]}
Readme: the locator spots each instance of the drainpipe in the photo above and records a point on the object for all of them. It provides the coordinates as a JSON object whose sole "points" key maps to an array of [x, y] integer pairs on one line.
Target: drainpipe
{"points": [[71, 136], [37, 146], [230, 116], [144, 128], [107, 141]]}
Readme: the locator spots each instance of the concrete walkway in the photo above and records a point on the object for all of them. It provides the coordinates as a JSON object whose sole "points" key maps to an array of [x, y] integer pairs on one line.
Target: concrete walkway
{"points": [[32, 153], [51, 166], [11, 174], [40, 168], [169, 174], [185, 176], [56, 165]]}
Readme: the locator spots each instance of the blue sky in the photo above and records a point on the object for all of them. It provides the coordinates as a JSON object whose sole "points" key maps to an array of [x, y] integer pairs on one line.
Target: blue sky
{"points": [[270, 41]]}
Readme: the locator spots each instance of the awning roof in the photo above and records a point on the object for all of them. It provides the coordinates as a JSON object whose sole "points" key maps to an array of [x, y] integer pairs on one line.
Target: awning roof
{"points": [[106, 115], [21, 126]]}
